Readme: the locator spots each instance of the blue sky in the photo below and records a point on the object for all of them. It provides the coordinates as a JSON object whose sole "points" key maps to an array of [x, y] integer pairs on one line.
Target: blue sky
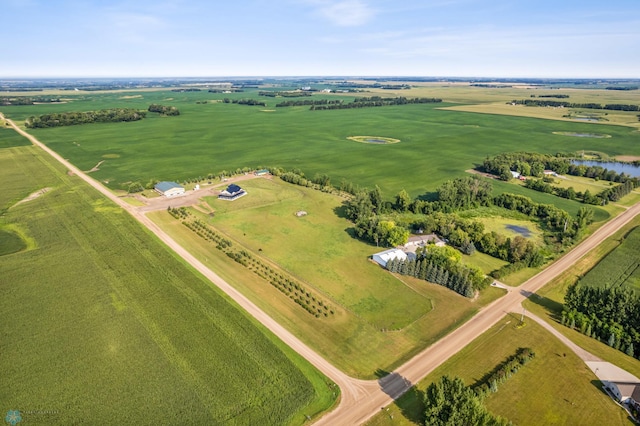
{"points": [[463, 38]]}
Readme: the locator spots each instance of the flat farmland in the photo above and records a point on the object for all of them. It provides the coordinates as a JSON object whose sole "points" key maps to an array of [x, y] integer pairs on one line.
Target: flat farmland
{"points": [[620, 268], [435, 144], [102, 324], [380, 319]]}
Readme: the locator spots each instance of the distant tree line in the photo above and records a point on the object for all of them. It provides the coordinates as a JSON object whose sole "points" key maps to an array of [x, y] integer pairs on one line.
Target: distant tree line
{"points": [[231, 90], [251, 102], [539, 103], [376, 101], [285, 94], [307, 102], [164, 110], [552, 96], [189, 89], [621, 88], [610, 315], [24, 100], [73, 118]]}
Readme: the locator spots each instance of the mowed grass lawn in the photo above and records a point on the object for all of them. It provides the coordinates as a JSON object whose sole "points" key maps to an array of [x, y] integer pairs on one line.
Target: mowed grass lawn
{"points": [[436, 145], [104, 325], [317, 248], [318, 251], [551, 389]]}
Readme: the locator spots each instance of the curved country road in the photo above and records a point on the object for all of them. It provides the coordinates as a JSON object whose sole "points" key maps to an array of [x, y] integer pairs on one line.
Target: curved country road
{"points": [[362, 399]]}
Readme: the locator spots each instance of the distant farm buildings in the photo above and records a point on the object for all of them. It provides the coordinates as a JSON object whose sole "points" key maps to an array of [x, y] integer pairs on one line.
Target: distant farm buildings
{"points": [[421, 241], [233, 192], [169, 189], [261, 172]]}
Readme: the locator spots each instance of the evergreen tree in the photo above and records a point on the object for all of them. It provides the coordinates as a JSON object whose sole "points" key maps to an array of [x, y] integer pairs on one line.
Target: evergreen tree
{"points": [[629, 350], [612, 339]]}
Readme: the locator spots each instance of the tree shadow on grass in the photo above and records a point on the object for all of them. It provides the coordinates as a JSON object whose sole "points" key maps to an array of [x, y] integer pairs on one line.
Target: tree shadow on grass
{"points": [[341, 211], [553, 308]]}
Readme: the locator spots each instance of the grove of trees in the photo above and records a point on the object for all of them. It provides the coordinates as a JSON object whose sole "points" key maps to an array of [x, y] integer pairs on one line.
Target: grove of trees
{"points": [[611, 315], [73, 118], [164, 110]]}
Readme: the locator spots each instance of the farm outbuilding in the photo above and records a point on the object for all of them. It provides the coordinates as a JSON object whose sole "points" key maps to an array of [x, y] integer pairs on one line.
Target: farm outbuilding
{"points": [[384, 256], [232, 192], [169, 189]]}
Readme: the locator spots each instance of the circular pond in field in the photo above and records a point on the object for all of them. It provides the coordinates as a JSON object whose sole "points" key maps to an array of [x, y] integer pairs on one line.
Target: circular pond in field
{"points": [[376, 140], [583, 135]]}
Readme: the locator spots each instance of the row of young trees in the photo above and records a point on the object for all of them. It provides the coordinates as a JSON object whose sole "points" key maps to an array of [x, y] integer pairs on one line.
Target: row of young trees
{"points": [[73, 118], [539, 103], [376, 101], [611, 315], [164, 110], [290, 287], [504, 371]]}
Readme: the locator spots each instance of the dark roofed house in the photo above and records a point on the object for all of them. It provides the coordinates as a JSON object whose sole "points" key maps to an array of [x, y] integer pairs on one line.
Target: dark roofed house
{"points": [[232, 192]]}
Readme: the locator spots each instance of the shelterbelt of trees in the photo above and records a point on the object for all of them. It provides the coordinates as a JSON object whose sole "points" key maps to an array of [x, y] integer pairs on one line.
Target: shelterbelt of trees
{"points": [[74, 118], [611, 315], [376, 101], [26, 100], [164, 110], [539, 103]]}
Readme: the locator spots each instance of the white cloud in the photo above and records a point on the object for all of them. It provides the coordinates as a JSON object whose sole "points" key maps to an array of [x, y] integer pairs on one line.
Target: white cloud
{"points": [[345, 13]]}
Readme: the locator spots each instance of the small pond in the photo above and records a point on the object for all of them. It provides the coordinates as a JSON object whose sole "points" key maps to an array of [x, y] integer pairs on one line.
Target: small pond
{"points": [[627, 168], [376, 141], [522, 230]]}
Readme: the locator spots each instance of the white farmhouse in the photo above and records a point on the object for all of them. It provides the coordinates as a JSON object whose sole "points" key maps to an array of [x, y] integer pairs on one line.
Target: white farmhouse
{"points": [[384, 256], [169, 189]]}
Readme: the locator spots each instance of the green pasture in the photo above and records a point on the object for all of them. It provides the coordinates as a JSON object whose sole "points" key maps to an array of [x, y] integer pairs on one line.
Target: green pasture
{"points": [[102, 324], [555, 387], [380, 320], [436, 145], [571, 206], [317, 248]]}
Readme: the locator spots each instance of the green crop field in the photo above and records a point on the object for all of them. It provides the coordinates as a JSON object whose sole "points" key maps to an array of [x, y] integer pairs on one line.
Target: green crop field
{"points": [[556, 387], [380, 320], [435, 145], [620, 268], [102, 324]]}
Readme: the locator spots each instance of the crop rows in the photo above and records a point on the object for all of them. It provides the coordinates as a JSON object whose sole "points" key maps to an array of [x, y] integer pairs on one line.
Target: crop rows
{"points": [[287, 286]]}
